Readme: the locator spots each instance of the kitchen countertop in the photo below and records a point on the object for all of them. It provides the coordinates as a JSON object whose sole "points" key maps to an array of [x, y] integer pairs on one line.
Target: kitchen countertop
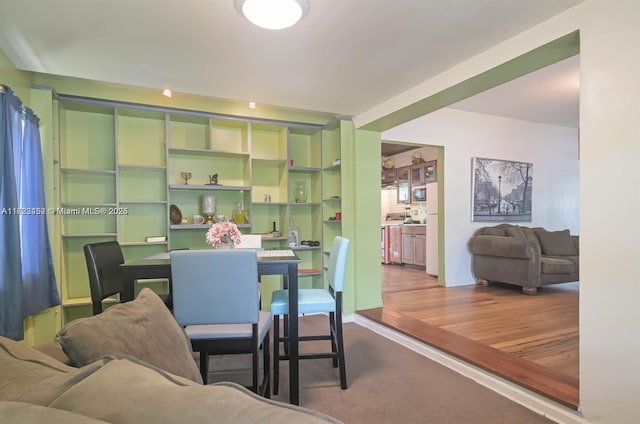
{"points": [[400, 223]]}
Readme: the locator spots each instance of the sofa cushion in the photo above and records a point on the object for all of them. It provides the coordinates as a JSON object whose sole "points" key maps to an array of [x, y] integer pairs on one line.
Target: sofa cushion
{"points": [[27, 375], [515, 231], [493, 231], [143, 328], [26, 413], [133, 392], [551, 265], [556, 243]]}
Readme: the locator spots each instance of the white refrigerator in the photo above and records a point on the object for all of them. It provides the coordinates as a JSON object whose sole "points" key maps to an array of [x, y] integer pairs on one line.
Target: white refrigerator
{"points": [[432, 228]]}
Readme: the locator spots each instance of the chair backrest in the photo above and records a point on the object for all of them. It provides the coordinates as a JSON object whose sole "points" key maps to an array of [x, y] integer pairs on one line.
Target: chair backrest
{"points": [[215, 286], [105, 276], [250, 241], [338, 263]]}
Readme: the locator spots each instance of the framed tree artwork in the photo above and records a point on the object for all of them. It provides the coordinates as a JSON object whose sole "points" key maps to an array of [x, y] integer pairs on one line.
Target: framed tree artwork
{"points": [[501, 190]]}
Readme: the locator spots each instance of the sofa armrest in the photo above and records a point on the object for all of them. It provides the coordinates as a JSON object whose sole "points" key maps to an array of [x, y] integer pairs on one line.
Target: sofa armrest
{"points": [[505, 247], [576, 244]]}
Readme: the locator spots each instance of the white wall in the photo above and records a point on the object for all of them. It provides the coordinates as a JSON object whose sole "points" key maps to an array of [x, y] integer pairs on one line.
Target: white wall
{"points": [[553, 151], [609, 171], [610, 175]]}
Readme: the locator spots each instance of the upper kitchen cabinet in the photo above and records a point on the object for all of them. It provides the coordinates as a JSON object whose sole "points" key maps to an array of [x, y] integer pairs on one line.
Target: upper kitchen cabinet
{"points": [[423, 173], [388, 177], [404, 184]]}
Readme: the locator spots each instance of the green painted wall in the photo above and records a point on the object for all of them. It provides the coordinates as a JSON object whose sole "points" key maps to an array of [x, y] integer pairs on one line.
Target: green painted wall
{"points": [[360, 158], [19, 81], [100, 90], [365, 187]]}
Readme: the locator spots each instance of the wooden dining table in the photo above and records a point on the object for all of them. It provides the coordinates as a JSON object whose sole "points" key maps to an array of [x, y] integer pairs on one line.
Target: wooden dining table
{"points": [[270, 262]]}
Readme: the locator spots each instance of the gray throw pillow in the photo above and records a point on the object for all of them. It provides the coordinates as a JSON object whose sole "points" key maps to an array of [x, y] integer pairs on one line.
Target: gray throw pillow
{"points": [[556, 243], [143, 328]]}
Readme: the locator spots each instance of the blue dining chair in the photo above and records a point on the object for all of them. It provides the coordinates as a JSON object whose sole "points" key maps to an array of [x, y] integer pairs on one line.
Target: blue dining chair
{"points": [[215, 298], [316, 301]]}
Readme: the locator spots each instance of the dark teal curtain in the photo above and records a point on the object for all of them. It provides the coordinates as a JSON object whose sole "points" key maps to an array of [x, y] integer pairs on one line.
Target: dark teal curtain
{"points": [[27, 280]]}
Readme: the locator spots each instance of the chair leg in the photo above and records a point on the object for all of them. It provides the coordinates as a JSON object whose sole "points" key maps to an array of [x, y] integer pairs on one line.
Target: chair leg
{"points": [[204, 366], [266, 368], [343, 371], [286, 334], [333, 333], [276, 353]]}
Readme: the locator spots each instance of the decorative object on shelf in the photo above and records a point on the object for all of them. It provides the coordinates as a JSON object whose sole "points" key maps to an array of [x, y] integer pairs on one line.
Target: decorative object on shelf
{"points": [[213, 180], [416, 158], [186, 176], [336, 162], [274, 232], [209, 207], [175, 215], [267, 198], [309, 271], [223, 235], [155, 239], [294, 233], [388, 163], [310, 243], [294, 238], [198, 219], [301, 193], [338, 216], [238, 214]]}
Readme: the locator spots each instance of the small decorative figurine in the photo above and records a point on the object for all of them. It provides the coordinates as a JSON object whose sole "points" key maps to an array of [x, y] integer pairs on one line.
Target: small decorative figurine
{"points": [[213, 179], [186, 176]]}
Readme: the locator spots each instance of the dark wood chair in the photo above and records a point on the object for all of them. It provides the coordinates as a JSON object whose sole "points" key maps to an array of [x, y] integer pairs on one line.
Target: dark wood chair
{"points": [[106, 278]]}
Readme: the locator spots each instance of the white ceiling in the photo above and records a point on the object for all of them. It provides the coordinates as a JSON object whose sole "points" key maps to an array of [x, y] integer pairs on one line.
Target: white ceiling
{"points": [[343, 57], [550, 95]]}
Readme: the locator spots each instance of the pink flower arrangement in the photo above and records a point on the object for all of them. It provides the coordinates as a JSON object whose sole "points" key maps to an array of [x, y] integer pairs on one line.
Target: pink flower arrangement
{"points": [[224, 232]]}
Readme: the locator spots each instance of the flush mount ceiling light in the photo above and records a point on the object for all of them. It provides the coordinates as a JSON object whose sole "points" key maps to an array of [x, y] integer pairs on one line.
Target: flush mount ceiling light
{"points": [[273, 14]]}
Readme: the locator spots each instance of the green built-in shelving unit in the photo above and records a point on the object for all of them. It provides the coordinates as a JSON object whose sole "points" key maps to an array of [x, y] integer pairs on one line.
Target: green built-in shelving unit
{"points": [[120, 171]]}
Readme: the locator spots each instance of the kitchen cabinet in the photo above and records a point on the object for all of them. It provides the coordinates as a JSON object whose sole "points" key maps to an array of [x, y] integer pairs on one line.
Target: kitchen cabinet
{"points": [[395, 244], [402, 176], [414, 244], [388, 177], [423, 173]]}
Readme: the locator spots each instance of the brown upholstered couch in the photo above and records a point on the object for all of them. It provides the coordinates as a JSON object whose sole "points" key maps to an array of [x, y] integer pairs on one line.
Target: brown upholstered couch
{"points": [[130, 364], [528, 257]]}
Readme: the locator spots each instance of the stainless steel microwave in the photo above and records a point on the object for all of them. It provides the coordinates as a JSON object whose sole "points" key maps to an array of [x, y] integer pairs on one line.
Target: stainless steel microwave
{"points": [[419, 194]]}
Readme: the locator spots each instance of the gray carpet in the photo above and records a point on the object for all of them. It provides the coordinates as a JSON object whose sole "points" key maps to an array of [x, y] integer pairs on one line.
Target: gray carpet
{"points": [[388, 383]]}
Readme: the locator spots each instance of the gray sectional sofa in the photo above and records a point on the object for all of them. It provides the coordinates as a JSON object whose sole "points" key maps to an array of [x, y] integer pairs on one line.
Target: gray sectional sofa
{"points": [[528, 257], [105, 383]]}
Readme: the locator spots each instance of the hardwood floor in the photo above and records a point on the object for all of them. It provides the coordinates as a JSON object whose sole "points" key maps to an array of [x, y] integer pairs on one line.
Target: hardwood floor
{"points": [[529, 340]]}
